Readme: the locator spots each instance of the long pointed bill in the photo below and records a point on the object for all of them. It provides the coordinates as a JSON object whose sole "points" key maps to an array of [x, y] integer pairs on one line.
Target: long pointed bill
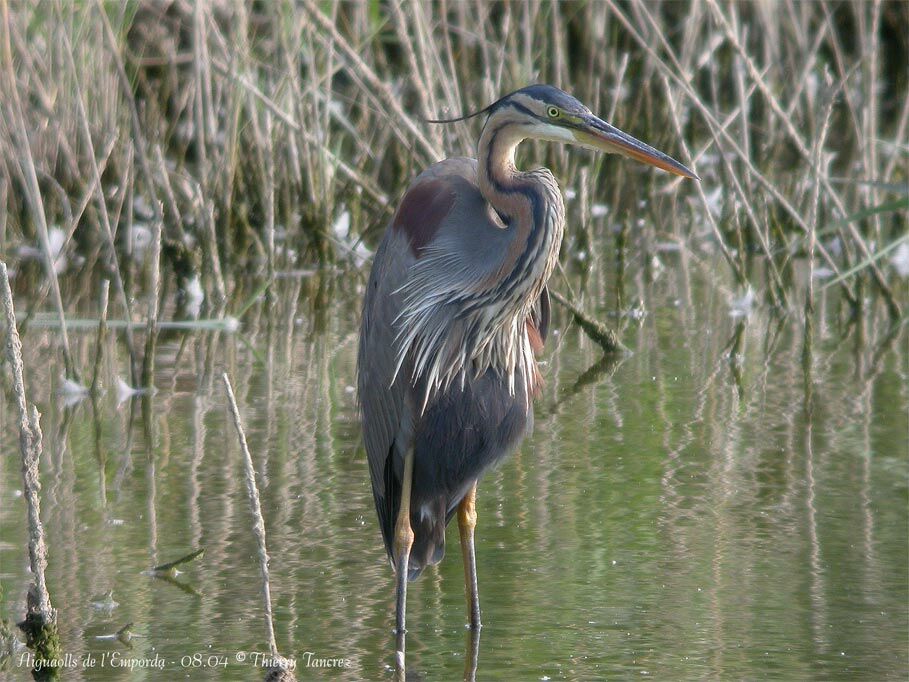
{"points": [[599, 135]]}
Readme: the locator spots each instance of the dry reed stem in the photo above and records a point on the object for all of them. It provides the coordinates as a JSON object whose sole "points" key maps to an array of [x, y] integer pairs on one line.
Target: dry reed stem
{"points": [[30, 450], [377, 87], [740, 276], [4, 215], [100, 201], [26, 167], [258, 520], [416, 75], [803, 150], [139, 142], [716, 127], [99, 343], [812, 233], [269, 172], [358, 178], [343, 137]]}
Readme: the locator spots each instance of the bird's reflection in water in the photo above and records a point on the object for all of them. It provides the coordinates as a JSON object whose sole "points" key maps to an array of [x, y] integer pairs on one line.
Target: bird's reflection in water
{"points": [[471, 658]]}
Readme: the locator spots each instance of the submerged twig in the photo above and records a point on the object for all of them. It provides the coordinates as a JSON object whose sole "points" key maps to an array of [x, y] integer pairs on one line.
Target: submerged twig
{"points": [[258, 526], [171, 565], [608, 362], [596, 330]]}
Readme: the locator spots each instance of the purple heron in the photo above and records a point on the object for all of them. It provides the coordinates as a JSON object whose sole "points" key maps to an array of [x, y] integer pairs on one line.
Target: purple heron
{"points": [[455, 311]]}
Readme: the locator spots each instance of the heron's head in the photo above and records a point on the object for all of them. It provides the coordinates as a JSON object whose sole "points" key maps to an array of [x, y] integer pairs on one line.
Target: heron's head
{"points": [[543, 112]]}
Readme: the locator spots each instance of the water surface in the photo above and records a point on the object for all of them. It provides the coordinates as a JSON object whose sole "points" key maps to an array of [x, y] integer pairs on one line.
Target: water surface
{"points": [[705, 507]]}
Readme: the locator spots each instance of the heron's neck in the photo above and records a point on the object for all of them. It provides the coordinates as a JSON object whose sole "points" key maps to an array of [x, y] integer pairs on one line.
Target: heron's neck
{"points": [[501, 183], [532, 206]]}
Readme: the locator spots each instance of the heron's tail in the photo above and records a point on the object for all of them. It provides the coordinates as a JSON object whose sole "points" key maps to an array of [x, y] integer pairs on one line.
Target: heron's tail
{"points": [[428, 519], [428, 522]]}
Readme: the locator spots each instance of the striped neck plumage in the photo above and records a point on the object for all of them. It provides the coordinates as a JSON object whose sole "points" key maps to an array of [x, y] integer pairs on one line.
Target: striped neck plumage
{"points": [[532, 209], [534, 214], [489, 330]]}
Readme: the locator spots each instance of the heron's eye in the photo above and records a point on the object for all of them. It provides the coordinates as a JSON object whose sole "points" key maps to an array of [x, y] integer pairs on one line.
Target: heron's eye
{"points": [[553, 112]]}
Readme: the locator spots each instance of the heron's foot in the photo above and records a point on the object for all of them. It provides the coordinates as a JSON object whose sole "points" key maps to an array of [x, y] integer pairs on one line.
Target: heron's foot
{"points": [[472, 654], [401, 602], [400, 637], [400, 669]]}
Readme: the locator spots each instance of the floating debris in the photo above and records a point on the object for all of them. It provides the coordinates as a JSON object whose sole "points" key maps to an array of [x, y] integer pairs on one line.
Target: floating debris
{"points": [[126, 392], [656, 266], [104, 602], [142, 207], [341, 226], [123, 635], [72, 392], [56, 238], [637, 311], [714, 201], [141, 237], [835, 247]]}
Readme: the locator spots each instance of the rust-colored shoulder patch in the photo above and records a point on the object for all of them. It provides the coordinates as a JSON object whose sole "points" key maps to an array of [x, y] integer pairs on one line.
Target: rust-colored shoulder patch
{"points": [[536, 339], [533, 335], [422, 211]]}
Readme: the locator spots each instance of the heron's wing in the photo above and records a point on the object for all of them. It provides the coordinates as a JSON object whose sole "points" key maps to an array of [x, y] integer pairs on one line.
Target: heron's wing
{"points": [[443, 213], [382, 400], [385, 391]]}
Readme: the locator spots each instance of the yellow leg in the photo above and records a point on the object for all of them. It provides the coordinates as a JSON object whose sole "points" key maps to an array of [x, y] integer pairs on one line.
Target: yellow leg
{"points": [[403, 541], [467, 521]]}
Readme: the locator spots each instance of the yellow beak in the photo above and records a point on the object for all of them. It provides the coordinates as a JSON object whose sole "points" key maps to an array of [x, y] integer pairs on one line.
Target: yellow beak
{"points": [[597, 134]]}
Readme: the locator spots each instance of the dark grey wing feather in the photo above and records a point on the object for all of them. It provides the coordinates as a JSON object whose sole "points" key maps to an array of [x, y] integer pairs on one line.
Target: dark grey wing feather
{"points": [[383, 405]]}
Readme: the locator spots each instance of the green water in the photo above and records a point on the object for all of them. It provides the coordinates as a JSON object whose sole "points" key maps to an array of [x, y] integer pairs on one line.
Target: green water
{"points": [[698, 509]]}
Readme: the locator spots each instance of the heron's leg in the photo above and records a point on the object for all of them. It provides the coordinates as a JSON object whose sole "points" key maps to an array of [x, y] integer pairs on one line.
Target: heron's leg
{"points": [[472, 655], [467, 521], [403, 541]]}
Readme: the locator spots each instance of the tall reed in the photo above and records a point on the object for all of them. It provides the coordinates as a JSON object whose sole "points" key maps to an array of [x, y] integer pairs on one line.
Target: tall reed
{"points": [[235, 139]]}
